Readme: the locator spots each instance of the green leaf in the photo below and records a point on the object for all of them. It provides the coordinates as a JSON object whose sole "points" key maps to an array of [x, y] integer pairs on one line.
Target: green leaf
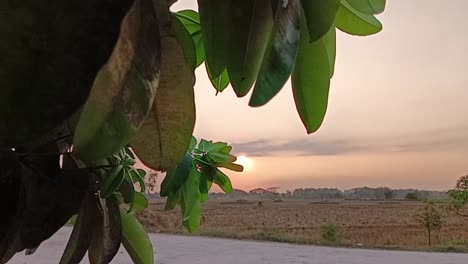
{"points": [[124, 88], [185, 40], [221, 82], [193, 142], [280, 54], [232, 166], [191, 21], [320, 16], [166, 133], [106, 238], [141, 172], [214, 147], [190, 201], [203, 188], [208, 171], [171, 201], [140, 202], [311, 78], [249, 27], [129, 153], [223, 181], [128, 191], [138, 176], [112, 181], [369, 7], [203, 145], [213, 18], [353, 22], [220, 157], [136, 240], [176, 177], [200, 48], [45, 73], [226, 149]]}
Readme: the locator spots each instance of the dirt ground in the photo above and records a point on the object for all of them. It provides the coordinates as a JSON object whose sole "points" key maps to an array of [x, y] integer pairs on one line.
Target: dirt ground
{"points": [[388, 224]]}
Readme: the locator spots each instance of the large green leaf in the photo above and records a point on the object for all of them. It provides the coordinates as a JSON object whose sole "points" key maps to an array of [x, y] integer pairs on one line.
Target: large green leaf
{"points": [[213, 18], [124, 89], [166, 133], [320, 16], [185, 41], [136, 240], [249, 25], [176, 177], [106, 238], [369, 7], [190, 201], [353, 22], [191, 21], [311, 78], [280, 54], [50, 54]]}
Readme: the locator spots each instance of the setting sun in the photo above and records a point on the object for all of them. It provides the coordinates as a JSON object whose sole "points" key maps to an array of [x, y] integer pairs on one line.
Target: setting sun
{"points": [[244, 161]]}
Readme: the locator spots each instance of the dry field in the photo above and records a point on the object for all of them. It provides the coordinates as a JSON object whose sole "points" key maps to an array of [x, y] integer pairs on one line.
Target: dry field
{"points": [[388, 224]]}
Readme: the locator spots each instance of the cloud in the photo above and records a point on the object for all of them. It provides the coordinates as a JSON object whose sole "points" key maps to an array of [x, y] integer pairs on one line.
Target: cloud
{"points": [[428, 141], [300, 147]]}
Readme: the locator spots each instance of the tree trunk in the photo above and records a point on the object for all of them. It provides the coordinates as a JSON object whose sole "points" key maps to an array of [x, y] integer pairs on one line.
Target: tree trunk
{"points": [[429, 236]]}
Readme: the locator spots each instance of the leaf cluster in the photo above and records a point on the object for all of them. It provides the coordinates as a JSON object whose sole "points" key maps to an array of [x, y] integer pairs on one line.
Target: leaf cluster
{"points": [[190, 182]]}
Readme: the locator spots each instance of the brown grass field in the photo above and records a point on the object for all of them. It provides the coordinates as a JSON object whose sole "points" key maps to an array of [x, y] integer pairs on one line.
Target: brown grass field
{"points": [[382, 224]]}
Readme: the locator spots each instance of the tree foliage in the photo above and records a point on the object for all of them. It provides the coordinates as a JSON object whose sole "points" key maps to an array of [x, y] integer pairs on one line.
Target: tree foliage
{"points": [[431, 218], [92, 85], [458, 197]]}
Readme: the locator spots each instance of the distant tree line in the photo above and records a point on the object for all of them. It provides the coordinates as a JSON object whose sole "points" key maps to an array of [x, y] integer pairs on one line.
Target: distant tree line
{"points": [[362, 193]]}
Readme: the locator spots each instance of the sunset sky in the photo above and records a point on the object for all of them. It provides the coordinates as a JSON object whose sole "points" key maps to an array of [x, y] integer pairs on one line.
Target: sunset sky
{"points": [[396, 116]]}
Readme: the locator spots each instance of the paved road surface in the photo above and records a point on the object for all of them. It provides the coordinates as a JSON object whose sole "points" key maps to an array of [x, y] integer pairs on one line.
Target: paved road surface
{"points": [[195, 250]]}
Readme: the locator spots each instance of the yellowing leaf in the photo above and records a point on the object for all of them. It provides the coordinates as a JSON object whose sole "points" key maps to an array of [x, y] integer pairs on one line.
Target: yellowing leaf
{"points": [[124, 88], [167, 131]]}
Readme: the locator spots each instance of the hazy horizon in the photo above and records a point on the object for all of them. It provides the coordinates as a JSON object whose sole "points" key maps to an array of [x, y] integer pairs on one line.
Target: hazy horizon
{"points": [[395, 117]]}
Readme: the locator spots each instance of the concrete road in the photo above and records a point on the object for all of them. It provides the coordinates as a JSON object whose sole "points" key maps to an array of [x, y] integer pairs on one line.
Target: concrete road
{"points": [[172, 249]]}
